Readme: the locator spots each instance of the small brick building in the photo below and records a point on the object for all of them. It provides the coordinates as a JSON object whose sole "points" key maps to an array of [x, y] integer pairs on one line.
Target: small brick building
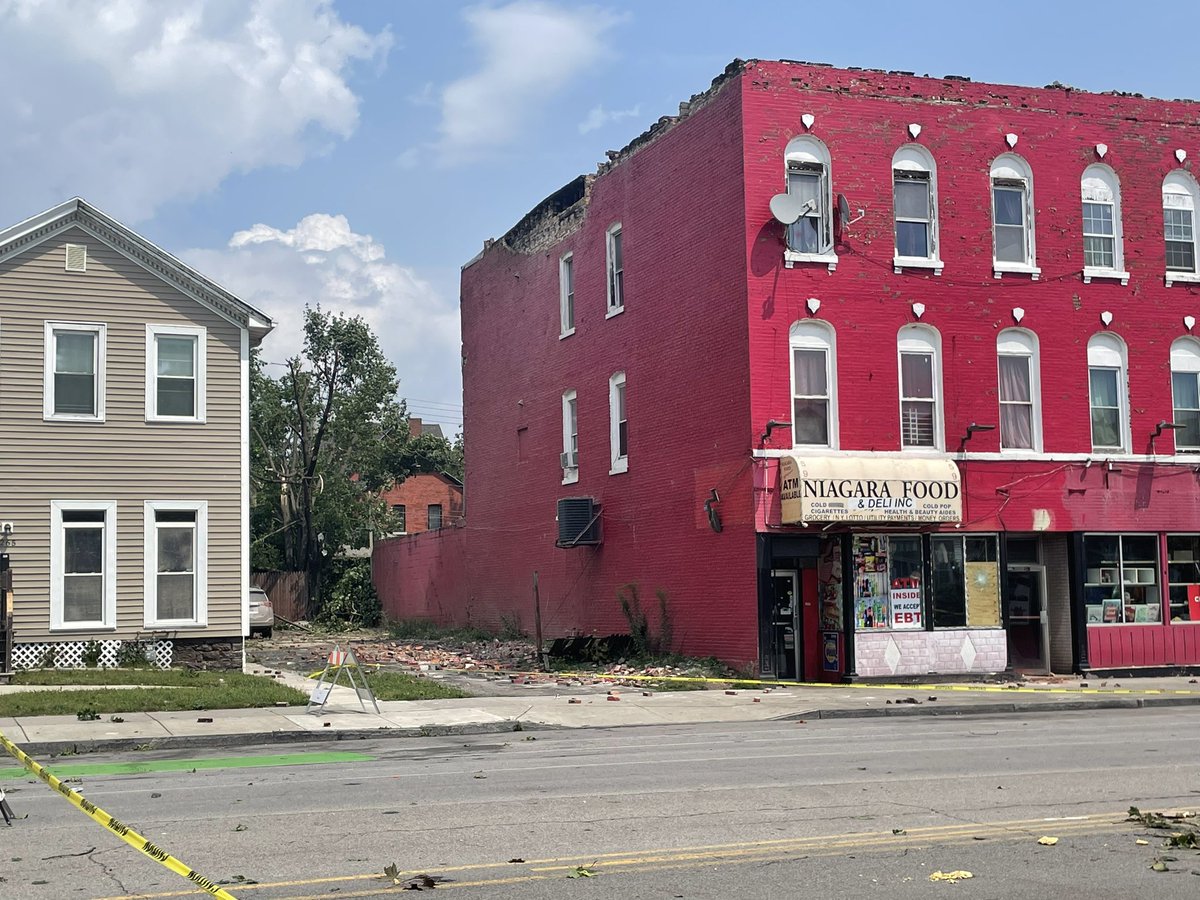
{"points": [[870, 374]]}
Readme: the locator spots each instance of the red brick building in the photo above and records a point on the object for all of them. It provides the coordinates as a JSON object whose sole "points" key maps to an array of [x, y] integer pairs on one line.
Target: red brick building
{"points": [[935, 409], [426, 501]]}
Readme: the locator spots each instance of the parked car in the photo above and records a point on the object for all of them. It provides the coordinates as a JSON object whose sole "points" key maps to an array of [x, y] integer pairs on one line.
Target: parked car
{"points": [[262, 613]]}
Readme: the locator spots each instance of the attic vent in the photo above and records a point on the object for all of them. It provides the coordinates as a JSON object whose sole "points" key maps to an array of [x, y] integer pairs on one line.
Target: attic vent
{"points": [[578, 522], [76, 257]]}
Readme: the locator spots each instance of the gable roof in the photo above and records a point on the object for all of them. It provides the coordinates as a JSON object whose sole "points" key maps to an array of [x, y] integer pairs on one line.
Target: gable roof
{"points": [[78, 213]]}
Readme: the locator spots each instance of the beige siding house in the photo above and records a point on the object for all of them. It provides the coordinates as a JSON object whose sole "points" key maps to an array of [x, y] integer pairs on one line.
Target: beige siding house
{"points": [[124, 445]]}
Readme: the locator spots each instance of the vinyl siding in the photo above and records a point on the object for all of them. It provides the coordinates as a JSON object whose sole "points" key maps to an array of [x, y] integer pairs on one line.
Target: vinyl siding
{"points": [[124, 458]]}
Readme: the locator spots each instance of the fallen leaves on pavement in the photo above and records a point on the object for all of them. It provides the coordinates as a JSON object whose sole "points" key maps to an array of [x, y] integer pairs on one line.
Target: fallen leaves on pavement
{"points": [[951, 877]]}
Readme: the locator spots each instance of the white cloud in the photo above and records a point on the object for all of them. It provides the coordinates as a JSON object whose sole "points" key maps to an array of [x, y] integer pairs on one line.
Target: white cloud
{"points": [[531, 50], [323, 260], [598, 117], [132, 103]]}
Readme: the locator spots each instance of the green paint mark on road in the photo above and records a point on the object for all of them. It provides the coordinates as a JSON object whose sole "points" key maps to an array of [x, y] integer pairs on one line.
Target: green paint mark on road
{"points": [[76, 770]]}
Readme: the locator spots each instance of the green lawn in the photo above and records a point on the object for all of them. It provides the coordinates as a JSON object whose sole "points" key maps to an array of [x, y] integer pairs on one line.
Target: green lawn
{"points": [[398, 686], [185, 689], [160, 691]]}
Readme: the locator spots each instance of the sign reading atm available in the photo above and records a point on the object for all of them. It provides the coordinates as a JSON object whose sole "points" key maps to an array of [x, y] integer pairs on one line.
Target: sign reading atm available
{"points": [[869, 489]]}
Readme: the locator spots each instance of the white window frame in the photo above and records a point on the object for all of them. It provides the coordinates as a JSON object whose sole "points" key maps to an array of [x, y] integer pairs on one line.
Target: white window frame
{"points": [[58, 561], [923, 340], [566, 295], [616, 393], [1180, 191], [615, 291], [811, 334], [199, 375], [150, 562], [100, 330], [1108, 352], [807, 153], [1021, 343], [1100, 186], [913, 162], [1011, 171], [570, 444], [1185, 360]]}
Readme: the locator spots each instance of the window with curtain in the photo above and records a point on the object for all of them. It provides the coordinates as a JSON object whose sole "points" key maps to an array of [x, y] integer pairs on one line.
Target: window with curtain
{"points": [[1018, 390], [813, 385], [919, 388], [807, 161]]}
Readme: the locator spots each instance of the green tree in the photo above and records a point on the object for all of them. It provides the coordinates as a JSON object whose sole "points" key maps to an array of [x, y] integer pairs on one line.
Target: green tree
{"points": [[322, 438]]}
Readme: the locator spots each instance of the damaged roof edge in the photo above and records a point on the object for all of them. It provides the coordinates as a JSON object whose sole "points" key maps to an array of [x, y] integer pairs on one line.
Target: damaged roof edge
{"points": [[563, 211]]}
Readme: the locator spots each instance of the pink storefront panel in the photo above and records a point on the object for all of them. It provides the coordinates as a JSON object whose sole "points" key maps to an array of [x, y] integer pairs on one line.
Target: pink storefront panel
{"points": [[1120, 646]]}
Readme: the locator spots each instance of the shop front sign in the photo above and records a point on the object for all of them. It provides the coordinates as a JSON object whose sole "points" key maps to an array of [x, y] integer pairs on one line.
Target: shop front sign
{"points": [[869, 489], [905, 597]]}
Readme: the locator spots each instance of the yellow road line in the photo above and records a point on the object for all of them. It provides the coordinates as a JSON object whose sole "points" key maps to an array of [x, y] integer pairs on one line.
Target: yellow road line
{"points": [[736, 852]]}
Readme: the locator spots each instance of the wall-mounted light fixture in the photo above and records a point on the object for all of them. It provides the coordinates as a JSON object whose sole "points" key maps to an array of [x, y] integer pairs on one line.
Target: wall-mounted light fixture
{"points": [[1162, 426], [772, 424], [971, 429]]}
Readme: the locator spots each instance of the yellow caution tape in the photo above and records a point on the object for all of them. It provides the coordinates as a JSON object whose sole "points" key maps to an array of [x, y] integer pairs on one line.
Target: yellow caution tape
{"points": [[117, 827]]}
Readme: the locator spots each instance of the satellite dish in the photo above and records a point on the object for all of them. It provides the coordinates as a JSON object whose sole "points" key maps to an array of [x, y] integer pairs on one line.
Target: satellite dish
{"points": [[843, 209], [786, 208]]}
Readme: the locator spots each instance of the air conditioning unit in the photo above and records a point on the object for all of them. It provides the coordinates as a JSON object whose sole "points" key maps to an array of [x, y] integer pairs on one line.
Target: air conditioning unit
{"points": [[568, 460], [578, 522]]}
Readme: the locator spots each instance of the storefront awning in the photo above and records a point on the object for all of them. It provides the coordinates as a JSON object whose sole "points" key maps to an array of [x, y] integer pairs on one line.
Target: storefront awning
{"points": [[869, 489]]}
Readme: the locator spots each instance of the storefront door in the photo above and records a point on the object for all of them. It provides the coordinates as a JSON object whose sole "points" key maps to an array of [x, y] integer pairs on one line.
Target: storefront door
{"points": [[1028, 623], [785, 612]]}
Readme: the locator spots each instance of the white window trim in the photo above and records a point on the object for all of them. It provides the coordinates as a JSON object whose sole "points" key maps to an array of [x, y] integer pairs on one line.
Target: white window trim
{"points": [[618, 464], [930, 341], [915, 158], [804, 336], [57, 561], [565, 261], [1109, 177], [199, 371], [150, 563], [807, 149], [1185, 360], [1111, 353], [101, 332], [1181, 182], [570, 473], [1010, 170], [1033, 354], [609, 271]]}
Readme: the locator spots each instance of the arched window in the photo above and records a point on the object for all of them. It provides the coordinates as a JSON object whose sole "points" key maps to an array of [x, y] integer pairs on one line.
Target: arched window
{"points": [[914, 190], [1180, 199], [1185, 393], [1108, 393], [919, 348], [814, 385], [1019, 390], [1012, 216], [1103, 251], [811, 236]]}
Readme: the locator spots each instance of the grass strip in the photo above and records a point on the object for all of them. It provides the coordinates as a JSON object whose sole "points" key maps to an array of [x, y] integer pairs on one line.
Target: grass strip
{"points": [[398, 686], [79, 770], [238, 691]]}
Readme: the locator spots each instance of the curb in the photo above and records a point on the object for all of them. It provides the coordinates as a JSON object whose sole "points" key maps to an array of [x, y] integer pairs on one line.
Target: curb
{"points": [[269, 738]]}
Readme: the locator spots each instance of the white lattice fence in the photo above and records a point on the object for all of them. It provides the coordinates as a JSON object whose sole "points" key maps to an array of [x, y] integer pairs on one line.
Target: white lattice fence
{"points": [[69, 654]]}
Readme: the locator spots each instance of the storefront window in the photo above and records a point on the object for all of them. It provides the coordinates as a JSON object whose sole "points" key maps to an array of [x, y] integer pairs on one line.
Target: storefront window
{"points": [[966, 581], [1121, 579], [889, 591], [1183, 576]]}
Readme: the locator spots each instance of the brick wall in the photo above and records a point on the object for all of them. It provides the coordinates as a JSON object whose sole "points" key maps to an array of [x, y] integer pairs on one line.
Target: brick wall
{"points": [[418, 492]]}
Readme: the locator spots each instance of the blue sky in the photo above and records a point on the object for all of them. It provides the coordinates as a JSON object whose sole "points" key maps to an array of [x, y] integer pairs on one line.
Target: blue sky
{"points": [[356, 153]]}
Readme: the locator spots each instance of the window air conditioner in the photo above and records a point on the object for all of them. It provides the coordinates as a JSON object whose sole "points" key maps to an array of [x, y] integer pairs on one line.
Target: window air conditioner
{"points": [[578, 522], [567, 460]]}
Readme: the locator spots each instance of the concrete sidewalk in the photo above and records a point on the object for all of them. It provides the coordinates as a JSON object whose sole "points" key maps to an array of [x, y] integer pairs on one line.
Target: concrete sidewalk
{"points": [[572, 707]]}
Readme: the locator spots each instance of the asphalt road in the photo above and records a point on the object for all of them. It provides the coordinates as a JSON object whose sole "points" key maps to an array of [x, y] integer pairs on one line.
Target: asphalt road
{"points": [[835, 808]]}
